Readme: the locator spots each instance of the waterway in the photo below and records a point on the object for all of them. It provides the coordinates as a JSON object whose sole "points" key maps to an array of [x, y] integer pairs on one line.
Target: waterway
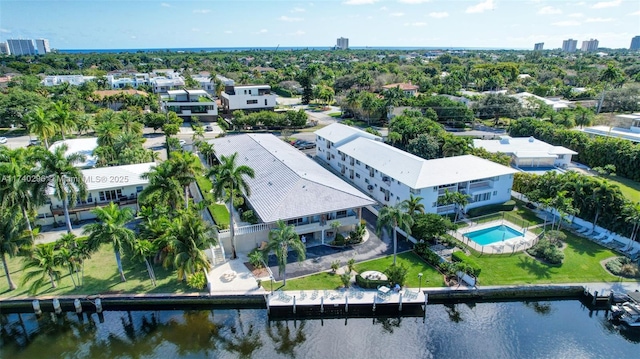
{"points": [[547, 329]]}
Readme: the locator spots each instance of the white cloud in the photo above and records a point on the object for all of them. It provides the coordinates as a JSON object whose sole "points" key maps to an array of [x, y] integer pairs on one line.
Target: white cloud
{"points": [[598, 19], [605, 4], [439, 15], [262, 31], [228, 32], [164, 4], [384, 8], [6, 31], [298, 33], [290, 19], [416, 24], [201, 11], [413, 1], [635, 13], [566, 23], [298, 9], [396, 14], [481, 7], [133, 36], [577, 14], [549, 10], [359, 2]]}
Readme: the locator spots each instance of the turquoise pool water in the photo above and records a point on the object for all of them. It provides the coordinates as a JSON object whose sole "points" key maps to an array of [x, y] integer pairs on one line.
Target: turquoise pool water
{"points": [[493, 234]]}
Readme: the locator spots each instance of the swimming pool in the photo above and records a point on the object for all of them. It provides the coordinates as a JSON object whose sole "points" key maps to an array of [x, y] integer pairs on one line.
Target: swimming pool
{"points": [[493, 234]]}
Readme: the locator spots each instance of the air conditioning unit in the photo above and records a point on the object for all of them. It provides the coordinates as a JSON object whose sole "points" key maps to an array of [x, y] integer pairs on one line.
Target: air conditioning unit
{"points": [[370, 187]]}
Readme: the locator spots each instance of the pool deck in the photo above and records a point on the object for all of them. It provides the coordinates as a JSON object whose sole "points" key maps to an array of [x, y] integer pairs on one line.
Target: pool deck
{"points": [[516, 244]]}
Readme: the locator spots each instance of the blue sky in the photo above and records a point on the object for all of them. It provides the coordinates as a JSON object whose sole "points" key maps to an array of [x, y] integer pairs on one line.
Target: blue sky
{"points": [[119, 24]]}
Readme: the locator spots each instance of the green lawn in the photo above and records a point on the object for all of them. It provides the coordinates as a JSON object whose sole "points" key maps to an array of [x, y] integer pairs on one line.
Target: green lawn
{"points": [[327, 280], [218, 211], [629, 188], [581, 264], [335, 114], [100, 277]]}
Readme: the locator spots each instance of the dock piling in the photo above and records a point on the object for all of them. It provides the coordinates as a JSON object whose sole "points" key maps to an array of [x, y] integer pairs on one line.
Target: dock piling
{"points": [[595, 296], [56, 306], [98, 304], [322, 304], [77, 305], [294, 304], [374, 304], [36, 307], [346, 304], [400, 303]]}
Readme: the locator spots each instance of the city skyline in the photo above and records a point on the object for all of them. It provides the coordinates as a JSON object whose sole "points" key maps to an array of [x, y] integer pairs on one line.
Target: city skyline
{"points": [[98, 24]]}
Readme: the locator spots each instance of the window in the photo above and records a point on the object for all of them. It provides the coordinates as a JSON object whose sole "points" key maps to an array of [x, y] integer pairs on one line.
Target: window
{"points": [[366, 180], [341, 214], [482, 197], [265, 102], [357, 162], [358, 175], [112, 195], [252, 102], [434, 204], [495, 193], [138, 189], [294, 222], [370, 172], [413, 191], [89, 198], [343, 156]]}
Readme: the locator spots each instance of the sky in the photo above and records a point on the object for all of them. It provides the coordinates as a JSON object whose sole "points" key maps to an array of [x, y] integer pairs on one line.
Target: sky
{"points": [[142, 24]]}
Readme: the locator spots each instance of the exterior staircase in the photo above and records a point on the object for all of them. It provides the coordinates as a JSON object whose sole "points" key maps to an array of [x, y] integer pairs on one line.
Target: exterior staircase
{"points": [[217, 254]]}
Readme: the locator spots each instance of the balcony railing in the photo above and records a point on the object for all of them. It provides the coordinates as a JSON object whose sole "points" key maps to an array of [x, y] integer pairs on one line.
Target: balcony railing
{"points": [[58, 210], [482, 184]]}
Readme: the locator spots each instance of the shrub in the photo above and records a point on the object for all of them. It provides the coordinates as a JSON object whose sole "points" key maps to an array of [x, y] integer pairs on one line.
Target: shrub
{"points": [[340, 240], [357, 236], [507, 206], [396, 274], [350, 264], [422, 249], [547, 251], [249, 216], [556, 237], [369, 283], [474, 268], [345, 279], [623, 266], [335, 265], [197, 281], [255, 258]]}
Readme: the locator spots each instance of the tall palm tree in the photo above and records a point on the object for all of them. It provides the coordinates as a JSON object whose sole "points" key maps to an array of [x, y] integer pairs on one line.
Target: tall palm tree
{"points": [[107, 133], [65, 179], [633, 216], [228, 177], [62, 117], [129, 122], [84, 123], [12, 239], [20, 187], [110, 228], [394, 217], [459, 200], [163, 188], [44, 264], [280, 240], [603, 194], [39, 122], [414, 204], [186, 166], [184, 242]]}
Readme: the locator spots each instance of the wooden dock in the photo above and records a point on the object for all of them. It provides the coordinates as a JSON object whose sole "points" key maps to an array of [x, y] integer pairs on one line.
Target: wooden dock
{"points": [[350, 302]]}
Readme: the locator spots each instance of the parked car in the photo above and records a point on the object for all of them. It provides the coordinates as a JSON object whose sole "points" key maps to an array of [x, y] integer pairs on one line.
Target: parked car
{"points": [[208, 128], [3, 140], [183, 142], [307, 146], [296, 143]]}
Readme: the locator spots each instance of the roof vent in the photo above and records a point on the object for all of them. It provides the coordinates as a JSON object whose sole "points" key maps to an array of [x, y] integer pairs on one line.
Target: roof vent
{"points": [[504, 140], [531, 139], [270, 184]]}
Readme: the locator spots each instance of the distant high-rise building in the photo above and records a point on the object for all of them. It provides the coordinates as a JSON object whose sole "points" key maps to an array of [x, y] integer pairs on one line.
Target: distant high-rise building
{"points": [[589, 45], [4, 49], [538, 47], [342, 44], [635, 43], [43, 46], [569, 45], [19, 47]]}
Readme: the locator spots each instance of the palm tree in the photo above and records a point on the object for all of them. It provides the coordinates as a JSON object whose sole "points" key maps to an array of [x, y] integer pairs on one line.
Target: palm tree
{"points": [[603, 194], [414, 204], [163, 188], [62, 117], [129, 122], [44, 264], [633, 216], [459, 200], [65, 179], [185, 240], [107, 133], [280, 239], [39, 122], [227, 177], [142, 250], [394, 217], [12, 239], [110, 228], [84, 123], [186, 166], [18, 189], [207, 150]]}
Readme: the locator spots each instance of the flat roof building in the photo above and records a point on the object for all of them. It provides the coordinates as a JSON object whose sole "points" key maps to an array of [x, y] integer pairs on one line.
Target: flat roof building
{"points": [[20, 47], [569, 45], [528, 152]]}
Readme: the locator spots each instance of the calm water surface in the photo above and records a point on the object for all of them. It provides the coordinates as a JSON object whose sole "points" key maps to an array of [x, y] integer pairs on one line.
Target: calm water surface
{"points": [[558, 329]]}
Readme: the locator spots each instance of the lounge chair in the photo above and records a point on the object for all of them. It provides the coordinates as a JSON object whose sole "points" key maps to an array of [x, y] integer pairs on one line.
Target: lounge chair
{"points": [[583, 230], [607, 240], [633, 251], [600, 236]]}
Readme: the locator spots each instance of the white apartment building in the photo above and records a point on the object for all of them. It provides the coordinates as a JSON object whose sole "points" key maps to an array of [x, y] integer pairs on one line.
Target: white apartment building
{"points": [[247, 97], [118, 184], [205, 83], [569, 45], [18, 47], [188, 103], [390, 175], [342, 43], [528, 152], [43, 46], [134, 81], [76, 80], [590, 45], [4, 49]]}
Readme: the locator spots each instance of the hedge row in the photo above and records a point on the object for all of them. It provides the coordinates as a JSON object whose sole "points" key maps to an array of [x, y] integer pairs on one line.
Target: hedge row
{"points": [[461, 257], [369, 283], [492, 208]]}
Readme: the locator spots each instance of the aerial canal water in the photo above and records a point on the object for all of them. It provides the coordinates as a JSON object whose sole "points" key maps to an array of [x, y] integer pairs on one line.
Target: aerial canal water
{"points": [[542, 329]]}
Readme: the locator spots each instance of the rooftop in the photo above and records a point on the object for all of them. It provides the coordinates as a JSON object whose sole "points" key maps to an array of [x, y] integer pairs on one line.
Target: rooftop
{"points": [[402, 86], [287, 183], [417, 172], [523, 147], [337, 133], [115, 177], [83, 146], [623, 133], [103, 93]]}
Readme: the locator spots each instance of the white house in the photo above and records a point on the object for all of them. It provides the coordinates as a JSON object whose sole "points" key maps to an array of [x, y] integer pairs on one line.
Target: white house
{"points": [[81, 146], [526, 99], [627, 126], [408, 89], [188, 103], [134, 81], [76, 80], [528, 151], [205, 83], [247, 97], [165, 80], [288, 186], [118, 184], [391, 175]]}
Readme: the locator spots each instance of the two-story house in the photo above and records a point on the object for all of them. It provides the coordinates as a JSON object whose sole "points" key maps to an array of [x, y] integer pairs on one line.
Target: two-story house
{"points": [[391, 175], [247, 98], [188, 103]]}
